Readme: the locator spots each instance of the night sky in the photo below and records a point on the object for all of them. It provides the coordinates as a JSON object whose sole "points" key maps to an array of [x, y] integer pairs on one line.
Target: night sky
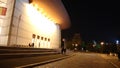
{"points": [[93, 20]]}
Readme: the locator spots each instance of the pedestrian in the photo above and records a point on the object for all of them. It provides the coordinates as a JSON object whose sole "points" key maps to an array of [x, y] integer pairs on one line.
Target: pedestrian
{"points": [[32, 44], [64, 50], [62, 46], [118, 51]]}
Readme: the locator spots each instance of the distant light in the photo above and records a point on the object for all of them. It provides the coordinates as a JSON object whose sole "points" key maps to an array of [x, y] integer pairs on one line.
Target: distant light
{"points": [[94, 42], [117, 41], [94, 45], [106, 43], [63, 39], [73, 44], [76, 45], [102, 43]]}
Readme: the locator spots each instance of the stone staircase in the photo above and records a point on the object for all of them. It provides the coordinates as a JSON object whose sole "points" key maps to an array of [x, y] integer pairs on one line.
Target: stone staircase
{"points": [[17, 52]]}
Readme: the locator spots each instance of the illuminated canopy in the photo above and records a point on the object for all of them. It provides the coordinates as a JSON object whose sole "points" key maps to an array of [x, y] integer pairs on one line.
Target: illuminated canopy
{"points": [[54, 10]]}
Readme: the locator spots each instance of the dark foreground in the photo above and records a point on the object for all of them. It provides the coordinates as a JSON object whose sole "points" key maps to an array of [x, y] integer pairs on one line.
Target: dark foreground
{"points": [[73, 60]]}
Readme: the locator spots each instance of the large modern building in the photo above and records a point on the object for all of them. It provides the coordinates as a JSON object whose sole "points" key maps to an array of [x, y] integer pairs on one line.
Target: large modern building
{"points": [[24, 22]]}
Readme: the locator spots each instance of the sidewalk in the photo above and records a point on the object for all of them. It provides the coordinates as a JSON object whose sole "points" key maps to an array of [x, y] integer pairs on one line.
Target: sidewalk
{"points": [[112, 59], [28, 61]]}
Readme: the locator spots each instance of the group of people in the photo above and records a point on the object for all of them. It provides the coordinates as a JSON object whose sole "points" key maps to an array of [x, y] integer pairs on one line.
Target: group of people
{"points": [[63, 46], [31, 44]]}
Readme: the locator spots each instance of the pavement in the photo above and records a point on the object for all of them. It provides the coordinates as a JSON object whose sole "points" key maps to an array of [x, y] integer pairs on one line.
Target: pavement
{"points": [[109, 58], [112, 59], [81, 60], [28, 62]]}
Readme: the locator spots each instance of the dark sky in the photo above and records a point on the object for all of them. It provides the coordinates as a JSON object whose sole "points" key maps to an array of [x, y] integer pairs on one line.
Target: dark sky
{"points": [[93, 20]]}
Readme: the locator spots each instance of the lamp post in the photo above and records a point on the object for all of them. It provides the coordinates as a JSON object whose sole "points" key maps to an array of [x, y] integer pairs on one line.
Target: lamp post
{"points": [[102, 47], [118, 49], [117, 42]]}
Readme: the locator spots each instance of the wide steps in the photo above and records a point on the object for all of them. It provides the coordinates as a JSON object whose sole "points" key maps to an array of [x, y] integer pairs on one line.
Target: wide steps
{"points": [[16, 52]]}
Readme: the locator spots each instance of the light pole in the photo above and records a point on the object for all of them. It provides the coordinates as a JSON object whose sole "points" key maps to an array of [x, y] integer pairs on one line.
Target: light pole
{"points": [[102, 47], [117, 42]]}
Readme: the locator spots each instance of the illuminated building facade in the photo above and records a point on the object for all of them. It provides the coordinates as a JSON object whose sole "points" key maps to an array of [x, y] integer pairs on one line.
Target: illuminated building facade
{"points": [[24, 22]]}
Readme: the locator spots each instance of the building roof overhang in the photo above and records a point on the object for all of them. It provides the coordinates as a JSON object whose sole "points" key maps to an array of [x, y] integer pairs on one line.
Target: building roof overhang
{"points": [[55, 10]]}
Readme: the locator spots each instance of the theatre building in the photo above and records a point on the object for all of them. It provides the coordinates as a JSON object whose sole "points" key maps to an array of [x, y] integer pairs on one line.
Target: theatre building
{"points": [[24, 23]]}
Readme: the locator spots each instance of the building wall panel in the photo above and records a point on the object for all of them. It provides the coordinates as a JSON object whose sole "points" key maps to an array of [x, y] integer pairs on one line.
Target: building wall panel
{"points": [[24, 27], [6, 20]]}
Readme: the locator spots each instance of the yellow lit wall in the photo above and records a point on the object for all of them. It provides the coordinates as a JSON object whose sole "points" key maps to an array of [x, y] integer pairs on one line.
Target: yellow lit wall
{"points": [[5, 21], [27, 20]]}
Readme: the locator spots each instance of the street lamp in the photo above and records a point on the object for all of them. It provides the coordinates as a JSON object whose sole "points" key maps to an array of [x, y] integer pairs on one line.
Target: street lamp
{"points": [[102, 43], [102, 47], [117, 42]]}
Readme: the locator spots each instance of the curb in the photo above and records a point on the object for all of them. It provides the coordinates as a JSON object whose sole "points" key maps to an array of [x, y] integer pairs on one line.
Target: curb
{"points": [[44, 62], [110, 62], [113, 64]]}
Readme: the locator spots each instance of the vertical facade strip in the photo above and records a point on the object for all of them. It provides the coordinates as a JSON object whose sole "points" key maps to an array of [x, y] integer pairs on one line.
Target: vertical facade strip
{"points": [[10, 28]]}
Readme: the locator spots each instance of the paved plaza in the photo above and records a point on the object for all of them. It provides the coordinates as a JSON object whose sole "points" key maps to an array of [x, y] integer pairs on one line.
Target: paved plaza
{"points": [[85, 60]]}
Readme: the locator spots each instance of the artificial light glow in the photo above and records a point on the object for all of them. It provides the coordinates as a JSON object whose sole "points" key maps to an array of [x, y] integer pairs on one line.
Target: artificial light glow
{"points": [[48, 44], [102, 43], [41, 44], [39, 20], [76, 45], [117, 42], [41, 10], [38, 43]]}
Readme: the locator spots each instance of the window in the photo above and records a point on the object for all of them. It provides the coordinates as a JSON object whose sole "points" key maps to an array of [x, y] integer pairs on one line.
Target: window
{"points": [[3, 11], [49, 40], [30, 1], [41, 38], [33, 36], [45, 39], [38, 37]]}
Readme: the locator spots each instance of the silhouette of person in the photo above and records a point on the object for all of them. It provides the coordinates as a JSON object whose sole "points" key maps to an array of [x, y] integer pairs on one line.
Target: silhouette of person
{"points": [[62, 46]]}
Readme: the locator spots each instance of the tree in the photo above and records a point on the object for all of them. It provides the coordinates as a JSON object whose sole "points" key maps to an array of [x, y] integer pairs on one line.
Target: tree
{"points": [[76, 41]]}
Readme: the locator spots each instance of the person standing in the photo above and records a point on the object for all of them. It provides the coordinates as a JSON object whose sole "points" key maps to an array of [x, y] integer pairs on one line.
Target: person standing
{"points": [[62, 46]]}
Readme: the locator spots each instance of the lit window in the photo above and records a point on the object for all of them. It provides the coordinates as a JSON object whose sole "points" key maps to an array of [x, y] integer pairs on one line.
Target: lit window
{"points": [[3, 11]]}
